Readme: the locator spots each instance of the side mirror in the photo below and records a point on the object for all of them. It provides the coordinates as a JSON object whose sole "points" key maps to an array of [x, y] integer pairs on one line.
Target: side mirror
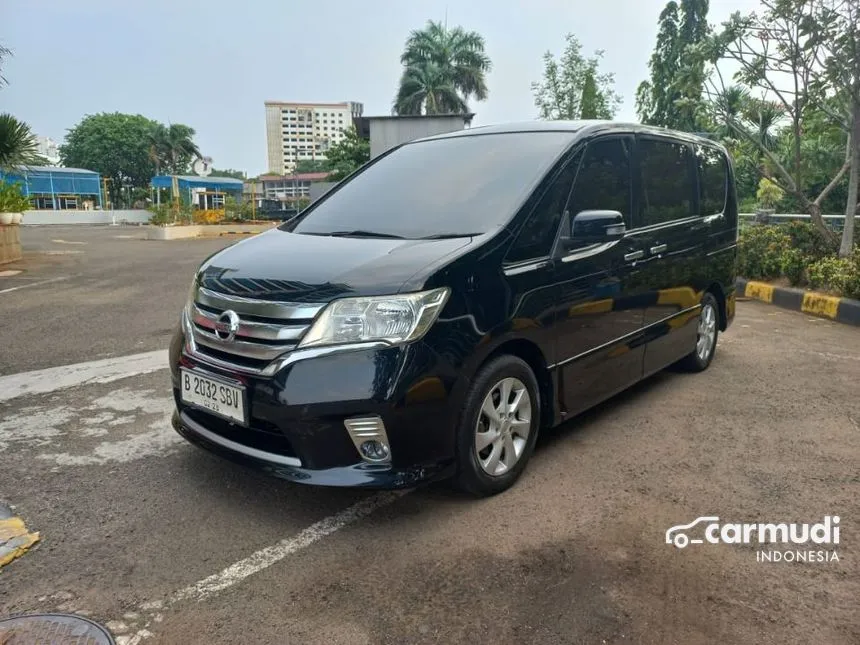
{"points": [[597, 227]]}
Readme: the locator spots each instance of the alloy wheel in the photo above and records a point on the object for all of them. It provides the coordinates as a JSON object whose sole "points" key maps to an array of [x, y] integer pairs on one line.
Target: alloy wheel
{"points": [[503, 426], [707, 332]]}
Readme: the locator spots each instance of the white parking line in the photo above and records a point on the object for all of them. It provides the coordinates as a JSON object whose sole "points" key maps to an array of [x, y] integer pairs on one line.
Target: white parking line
{"points": [[262, 559], [32, 284], [102, 371]]}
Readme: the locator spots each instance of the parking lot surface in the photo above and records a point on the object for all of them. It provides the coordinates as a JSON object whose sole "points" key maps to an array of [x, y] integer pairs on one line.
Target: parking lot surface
{"points": [[167, 544]]}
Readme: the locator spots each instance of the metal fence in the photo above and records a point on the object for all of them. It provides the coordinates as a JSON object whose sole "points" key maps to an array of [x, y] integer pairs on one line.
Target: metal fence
{"points": [[836, 222]]}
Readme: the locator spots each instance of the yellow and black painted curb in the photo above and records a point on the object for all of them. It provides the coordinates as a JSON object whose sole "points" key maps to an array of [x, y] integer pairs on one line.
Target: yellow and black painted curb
{"points": [[844, 310], [15, 539]]}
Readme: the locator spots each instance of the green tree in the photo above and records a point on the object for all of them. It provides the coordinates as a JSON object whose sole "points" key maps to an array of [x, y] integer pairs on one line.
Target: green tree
{"points": [[838, 26], [228, 172], [443, 69], [672, 97], [115, 145], [347, 155], [311, 165], [782, 54], [593, 104], [18, 145], [654, 99], [573, 88]]}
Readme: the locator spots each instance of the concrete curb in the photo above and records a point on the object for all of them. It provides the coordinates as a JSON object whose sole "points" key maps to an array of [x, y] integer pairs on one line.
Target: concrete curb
{"points": [[844, 310], [209, 230], [15, 539]]}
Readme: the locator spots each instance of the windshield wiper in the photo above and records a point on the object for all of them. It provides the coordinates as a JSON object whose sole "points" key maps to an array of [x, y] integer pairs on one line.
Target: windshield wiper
{"points": [[363, 234], [448, 236]]}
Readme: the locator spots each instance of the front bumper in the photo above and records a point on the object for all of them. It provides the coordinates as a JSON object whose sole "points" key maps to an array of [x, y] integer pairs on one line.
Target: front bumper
{"points": [[357, 475], [296, 425]]}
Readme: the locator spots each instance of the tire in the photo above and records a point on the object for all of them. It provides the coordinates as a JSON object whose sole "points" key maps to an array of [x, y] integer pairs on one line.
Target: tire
{"points": [[708, 326], [494, 445]]}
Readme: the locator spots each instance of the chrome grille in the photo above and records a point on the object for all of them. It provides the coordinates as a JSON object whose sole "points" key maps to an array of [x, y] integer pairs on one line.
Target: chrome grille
{"points": [[266, 331]]}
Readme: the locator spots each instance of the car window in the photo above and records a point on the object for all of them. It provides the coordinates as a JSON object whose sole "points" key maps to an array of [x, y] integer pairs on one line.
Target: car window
{"points": [[667, 181], [603, 181], [538, 234], [456, 185], [713, 180]]}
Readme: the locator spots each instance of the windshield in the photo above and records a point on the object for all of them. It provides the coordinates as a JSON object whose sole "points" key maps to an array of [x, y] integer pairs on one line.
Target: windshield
{"points": [[453, 186]]}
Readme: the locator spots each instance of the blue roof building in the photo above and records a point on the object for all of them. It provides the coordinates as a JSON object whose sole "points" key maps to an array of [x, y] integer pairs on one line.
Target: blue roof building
{"points": [[205, 192], [51, 187]]}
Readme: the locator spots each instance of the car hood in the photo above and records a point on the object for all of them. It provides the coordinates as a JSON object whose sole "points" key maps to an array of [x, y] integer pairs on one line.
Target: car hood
{"points": [[278, 265]]}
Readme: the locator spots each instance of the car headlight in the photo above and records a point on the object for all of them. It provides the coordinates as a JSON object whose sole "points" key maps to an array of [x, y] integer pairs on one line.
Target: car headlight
{"points": [[391, 319], [192, 295]]}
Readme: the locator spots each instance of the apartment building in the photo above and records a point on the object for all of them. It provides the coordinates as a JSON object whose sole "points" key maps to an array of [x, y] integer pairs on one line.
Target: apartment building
{"points": [[300, 131], [290, 187]]}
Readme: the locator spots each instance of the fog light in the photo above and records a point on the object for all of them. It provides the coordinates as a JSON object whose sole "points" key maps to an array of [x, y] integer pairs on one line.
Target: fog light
{"points": [[370, 439], [374, 451]]}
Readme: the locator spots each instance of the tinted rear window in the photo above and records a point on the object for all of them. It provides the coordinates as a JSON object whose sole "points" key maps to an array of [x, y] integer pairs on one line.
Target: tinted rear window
{"points": [[460, 185]]}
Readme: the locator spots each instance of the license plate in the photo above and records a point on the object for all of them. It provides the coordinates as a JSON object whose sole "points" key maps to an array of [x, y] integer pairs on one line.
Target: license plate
{"points": [[213, 395]]}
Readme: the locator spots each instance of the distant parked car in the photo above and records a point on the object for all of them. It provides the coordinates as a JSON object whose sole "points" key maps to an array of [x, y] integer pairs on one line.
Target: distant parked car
{"points": [[429, 315]]}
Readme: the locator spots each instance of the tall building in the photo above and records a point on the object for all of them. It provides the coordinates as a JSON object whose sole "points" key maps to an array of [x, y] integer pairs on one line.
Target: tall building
{"points": [[304, 131], [49, 149]]}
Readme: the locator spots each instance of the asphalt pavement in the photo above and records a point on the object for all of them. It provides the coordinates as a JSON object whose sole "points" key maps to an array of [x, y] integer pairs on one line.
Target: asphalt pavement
{"points": [[167, 544]]}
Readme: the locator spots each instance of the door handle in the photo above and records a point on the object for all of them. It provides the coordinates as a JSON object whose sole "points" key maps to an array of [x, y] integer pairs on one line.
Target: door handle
{"points": [[658, 249], [635, 255]]}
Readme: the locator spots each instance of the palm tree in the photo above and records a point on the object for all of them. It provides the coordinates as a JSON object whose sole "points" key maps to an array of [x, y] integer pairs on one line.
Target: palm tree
{"points": [[729, 107], [172, 147], [764, 116], [426, 89], [180, 146], [18, 146], [453, 58], [157, 146]]}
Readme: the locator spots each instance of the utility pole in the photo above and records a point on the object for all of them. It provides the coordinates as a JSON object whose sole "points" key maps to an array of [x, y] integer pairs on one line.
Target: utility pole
{"points": [[106, 201]]}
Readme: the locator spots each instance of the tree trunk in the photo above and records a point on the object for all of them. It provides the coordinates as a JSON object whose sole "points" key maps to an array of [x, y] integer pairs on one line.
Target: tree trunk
{"points": [[818, 221], [847, 246]]}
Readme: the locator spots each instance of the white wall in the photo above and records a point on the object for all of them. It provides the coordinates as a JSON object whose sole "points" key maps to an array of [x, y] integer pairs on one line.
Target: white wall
{"points": [[85, 217], [385, 133]]}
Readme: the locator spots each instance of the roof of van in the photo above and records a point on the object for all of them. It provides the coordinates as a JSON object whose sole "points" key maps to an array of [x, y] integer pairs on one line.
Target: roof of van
{"points": [[584, 126]]}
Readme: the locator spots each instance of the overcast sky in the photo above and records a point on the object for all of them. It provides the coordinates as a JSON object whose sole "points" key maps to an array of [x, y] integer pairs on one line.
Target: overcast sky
{"points": [[212, 64]]}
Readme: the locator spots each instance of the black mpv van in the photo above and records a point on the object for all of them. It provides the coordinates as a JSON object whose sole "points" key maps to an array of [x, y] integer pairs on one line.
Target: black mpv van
{"points": [[428, 316]]}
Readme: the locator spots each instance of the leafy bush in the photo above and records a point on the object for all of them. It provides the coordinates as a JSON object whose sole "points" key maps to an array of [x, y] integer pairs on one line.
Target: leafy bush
{"points": [[209, 216], [170, 214], [800, 253], [747, 205], [808, 240], [160, 215], [12, 199], [760, 251], [793, 264], [238, 211], [838, 275]]}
